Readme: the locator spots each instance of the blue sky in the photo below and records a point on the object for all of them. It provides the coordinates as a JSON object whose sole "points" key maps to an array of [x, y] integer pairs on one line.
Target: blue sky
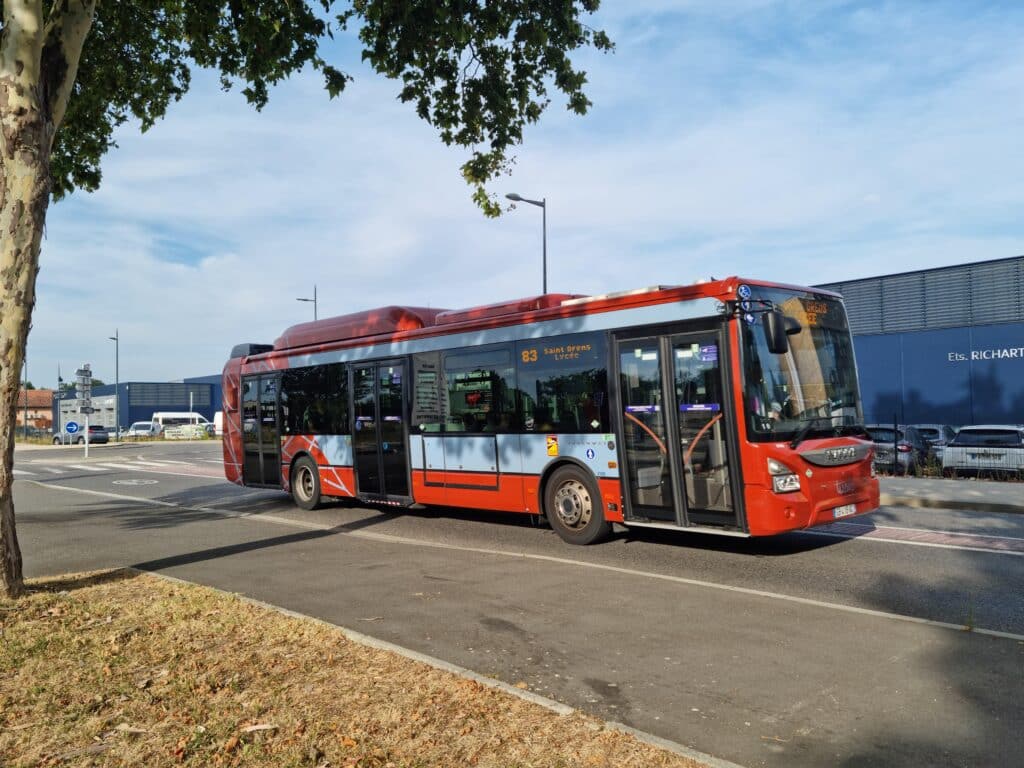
{"points": [[803, 142]]}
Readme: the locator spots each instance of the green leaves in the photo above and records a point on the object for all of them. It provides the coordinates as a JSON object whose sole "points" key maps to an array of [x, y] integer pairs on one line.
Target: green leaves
{"points": [[477, 70]]}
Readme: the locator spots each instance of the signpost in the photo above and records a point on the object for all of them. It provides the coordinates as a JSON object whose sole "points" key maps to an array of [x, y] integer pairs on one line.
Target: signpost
{"points": [[83, 385]]}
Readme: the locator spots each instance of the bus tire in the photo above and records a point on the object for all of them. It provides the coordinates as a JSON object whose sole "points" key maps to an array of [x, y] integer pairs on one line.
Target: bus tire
{"points": [[305, 481], [572, 506]]}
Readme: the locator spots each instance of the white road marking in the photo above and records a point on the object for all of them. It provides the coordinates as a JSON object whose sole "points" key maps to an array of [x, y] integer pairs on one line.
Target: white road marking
{"points": [[911, 542], [392, 539], [87, 467], [155, 471], [53, 470], [936, 530], [19, 472]]}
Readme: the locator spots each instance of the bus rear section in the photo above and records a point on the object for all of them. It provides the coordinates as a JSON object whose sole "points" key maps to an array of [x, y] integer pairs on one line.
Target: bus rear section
{"points": [[670, 408]]}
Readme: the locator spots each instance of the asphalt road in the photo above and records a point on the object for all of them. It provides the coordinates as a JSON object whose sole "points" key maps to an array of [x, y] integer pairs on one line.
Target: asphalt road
{"points": [[849, 649]]}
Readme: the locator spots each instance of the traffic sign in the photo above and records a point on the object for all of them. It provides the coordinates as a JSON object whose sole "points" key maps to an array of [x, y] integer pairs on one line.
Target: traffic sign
{"points": [[86, 409], [71, 427]]}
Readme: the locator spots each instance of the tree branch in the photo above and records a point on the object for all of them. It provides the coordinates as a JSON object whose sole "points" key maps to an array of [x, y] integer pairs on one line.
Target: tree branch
{"points": [[64, 37]]}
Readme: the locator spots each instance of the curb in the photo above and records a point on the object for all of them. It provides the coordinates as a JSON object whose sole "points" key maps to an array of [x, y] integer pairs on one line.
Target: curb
{"points": [[543, 701], [889, 500]]}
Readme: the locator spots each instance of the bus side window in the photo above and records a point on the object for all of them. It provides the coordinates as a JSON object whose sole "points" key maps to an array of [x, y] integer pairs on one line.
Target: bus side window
{"points": [[480, 388], [564, 383], [429, 395]]}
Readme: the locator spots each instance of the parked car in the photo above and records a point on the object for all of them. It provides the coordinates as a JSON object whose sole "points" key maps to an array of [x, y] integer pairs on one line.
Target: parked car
{"points": [[996, 449], [901, 450], [937, 436], [143, 429], [97, 435]]}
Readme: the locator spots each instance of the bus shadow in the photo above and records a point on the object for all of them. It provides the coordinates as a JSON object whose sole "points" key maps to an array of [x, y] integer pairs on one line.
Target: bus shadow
{"points": [[781, 545]]}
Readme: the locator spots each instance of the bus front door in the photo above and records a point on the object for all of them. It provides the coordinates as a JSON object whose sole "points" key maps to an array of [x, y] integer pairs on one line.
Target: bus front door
{"points": [[379, 441], [674, 430]]}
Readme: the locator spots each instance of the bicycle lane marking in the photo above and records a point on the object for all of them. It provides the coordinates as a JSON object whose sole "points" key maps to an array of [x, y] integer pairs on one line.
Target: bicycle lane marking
{"points": [[922, 537]]}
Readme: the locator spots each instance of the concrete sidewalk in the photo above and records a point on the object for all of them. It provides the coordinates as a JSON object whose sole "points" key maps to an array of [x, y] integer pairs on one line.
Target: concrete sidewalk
{"points": [[941, 493]]}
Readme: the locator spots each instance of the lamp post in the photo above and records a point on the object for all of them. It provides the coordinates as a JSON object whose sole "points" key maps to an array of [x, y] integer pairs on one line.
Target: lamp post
{"points": [[117, 384], [543, 205], [60, 390], [312, 300], [26, 393]]}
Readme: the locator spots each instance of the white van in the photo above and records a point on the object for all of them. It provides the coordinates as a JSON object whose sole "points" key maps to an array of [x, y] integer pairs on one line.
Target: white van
{"points": [[218, 423], [175, 418]]}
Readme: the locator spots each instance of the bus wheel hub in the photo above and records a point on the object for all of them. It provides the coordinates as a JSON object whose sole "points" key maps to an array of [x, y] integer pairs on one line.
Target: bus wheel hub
{"points": [[572, 504]]}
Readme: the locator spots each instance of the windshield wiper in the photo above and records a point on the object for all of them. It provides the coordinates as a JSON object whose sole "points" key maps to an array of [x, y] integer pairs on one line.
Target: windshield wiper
{"points": [[805, 430]]}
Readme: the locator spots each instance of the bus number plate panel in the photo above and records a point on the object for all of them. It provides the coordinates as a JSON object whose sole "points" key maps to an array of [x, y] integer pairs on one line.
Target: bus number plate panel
{"points": [[844, 511]]}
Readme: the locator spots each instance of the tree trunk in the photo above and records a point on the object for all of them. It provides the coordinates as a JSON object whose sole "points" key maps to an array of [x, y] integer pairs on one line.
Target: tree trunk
{"points": [[26, 135], [38, 64], [24, 196]]}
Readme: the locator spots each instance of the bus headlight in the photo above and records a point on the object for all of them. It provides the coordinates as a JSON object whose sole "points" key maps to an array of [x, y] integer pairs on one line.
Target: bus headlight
{"points": [[784, 479]]}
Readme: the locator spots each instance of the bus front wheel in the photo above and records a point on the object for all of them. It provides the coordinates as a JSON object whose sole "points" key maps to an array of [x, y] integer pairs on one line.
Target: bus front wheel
{"points": [[306, 483], [573, 507]]}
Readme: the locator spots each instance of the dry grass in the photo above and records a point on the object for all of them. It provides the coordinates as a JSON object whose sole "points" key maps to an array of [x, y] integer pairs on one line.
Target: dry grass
{"points": [[122, 669]]}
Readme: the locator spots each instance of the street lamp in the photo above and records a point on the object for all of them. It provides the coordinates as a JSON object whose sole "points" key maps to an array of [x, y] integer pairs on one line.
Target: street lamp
{"points": [[312, 300], [26, 392], [117, 384], [543, 205]]}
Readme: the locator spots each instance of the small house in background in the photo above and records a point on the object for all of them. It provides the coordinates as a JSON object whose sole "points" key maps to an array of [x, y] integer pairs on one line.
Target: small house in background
{"points": [[35, 406]]}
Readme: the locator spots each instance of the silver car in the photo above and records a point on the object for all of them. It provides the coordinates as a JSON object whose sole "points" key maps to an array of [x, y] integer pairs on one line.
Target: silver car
{"points": [[97, 436], [938, 436], [900, 451]]}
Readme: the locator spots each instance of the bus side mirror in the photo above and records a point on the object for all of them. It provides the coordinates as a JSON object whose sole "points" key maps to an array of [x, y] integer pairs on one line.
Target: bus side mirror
{"points": [[792, 326], [774, 323]]}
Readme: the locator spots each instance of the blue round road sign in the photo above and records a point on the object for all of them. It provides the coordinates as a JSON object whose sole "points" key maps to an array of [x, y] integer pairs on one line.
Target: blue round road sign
{"points": [[71, 427]]}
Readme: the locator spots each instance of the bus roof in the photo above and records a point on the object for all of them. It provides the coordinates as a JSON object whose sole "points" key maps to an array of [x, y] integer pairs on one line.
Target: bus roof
{"points": [[392, 320]]}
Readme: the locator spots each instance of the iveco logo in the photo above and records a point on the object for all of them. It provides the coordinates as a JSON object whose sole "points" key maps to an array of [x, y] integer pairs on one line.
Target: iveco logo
{"points": [[846, 453]]}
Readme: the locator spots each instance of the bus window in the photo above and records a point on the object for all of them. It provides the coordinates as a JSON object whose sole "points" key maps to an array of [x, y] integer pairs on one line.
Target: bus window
{"points": [[429, 394], [314, 400], [564, 383], [480, 391]]}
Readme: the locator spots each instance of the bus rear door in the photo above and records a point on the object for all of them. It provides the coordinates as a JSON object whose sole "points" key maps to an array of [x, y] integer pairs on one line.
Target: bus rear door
{"points": [[380, 442]]}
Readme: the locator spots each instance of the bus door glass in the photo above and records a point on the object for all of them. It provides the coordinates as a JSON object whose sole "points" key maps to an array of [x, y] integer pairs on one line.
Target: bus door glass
{"points": [[701, 411], [270, 441], [381, 458], [261, 442], [394, 458], [252, 466], [645, 429]]}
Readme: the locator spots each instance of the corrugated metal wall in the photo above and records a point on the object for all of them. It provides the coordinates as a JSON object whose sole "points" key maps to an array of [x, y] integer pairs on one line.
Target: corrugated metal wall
{"points": [[983, 293]]}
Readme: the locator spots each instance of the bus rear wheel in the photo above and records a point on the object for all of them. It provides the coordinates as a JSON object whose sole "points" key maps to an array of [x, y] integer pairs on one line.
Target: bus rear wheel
{"points": [[306, 483], [573, 507]]}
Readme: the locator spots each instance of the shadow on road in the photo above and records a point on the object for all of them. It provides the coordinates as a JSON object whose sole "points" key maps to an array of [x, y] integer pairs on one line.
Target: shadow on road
{"points": [[214, 553]]}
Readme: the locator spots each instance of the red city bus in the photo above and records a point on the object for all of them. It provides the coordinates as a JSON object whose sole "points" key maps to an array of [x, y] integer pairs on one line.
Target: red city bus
{"points": [[729, 406]]}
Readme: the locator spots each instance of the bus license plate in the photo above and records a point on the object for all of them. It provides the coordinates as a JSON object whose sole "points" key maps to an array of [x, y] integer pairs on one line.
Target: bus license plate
{"points": [[844, 511]]}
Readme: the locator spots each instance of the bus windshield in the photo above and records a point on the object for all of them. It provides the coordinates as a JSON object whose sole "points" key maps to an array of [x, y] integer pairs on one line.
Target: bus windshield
{"points": [[811, 390]]}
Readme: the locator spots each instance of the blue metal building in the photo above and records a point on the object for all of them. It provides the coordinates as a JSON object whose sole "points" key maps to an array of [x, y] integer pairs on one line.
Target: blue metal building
{"points": [[940, 345], [139, 400]]}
